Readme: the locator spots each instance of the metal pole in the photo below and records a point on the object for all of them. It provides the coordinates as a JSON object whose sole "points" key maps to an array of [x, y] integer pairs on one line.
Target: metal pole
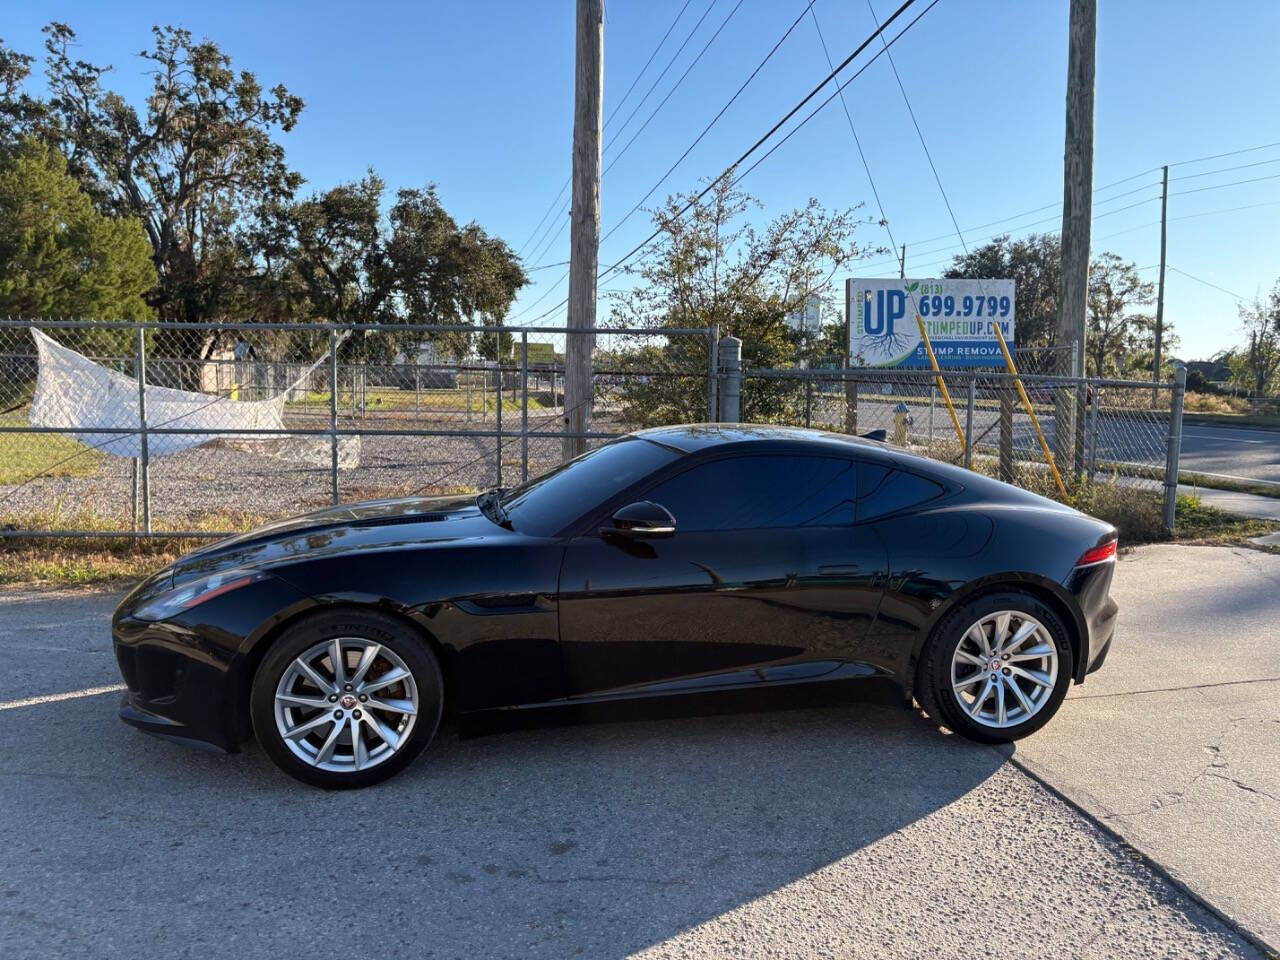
{"points": [[713, 380], [1173, 449], [135, 494], [968, 425], [333, 414], [417, 387], [1164, 222], [499, 438], [730, 351], [144, 463], [808, 400], [933, 394], [524, 407], [1092, 430]]}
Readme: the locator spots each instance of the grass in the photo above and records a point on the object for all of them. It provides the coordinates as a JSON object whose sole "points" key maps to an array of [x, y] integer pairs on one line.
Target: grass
{"points": [[101, 560], [27, 455], [1210, 481]]}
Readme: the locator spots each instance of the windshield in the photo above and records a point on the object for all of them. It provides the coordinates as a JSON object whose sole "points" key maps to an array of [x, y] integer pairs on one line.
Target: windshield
{"points": [[547, 504]]}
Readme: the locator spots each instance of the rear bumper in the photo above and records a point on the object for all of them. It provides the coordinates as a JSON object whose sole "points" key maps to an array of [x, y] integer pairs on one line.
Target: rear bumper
{"points": [[1091, 587]]}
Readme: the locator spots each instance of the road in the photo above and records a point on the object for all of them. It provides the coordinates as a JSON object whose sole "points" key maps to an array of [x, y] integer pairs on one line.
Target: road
{"points": [[1133, 437], [845, 829]]}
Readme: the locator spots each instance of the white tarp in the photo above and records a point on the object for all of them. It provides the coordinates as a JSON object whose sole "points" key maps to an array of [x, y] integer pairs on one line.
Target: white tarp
{"points": [[77, 395]]}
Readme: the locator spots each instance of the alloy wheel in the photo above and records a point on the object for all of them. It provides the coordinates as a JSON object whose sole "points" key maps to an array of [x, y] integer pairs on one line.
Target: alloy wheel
{"points": [[1004, 669], [346, 704]]}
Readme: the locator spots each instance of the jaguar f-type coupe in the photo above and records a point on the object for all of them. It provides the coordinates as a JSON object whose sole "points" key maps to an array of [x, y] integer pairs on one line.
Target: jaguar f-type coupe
{"points": [[689, 559]]}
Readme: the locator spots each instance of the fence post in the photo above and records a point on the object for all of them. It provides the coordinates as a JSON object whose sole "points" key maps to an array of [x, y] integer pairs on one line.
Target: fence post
{"points": [[730, 352], [1174, 448], [1092, 430], [1006, 431], [524, 407], [808, 399], [968, 424], [333, 413], [144, 461], [933, 392], [417, 387], [850, 400], [713, 380], [499, 419]]}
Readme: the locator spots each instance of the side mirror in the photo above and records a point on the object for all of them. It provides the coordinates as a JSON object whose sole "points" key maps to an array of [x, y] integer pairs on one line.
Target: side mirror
{"points": [[643, 518]]}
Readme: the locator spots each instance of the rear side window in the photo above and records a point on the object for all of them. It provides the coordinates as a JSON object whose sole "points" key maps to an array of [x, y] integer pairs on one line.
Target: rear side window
{"points": [[760, 492], [882, 491]]}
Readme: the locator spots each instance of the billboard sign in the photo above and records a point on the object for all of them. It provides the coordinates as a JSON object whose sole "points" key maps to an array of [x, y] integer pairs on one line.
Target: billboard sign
{"points": [[543, 354], [959, 316]]}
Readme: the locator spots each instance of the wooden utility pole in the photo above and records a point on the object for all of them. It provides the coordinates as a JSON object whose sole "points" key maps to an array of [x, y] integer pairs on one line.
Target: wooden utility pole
{"points": [[1164, 223], [1077, 211], [902, 264], [584, 227]]}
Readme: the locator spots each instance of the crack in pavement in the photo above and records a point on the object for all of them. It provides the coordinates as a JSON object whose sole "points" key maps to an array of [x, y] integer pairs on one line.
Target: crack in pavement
{"points": [[1190, 686]]}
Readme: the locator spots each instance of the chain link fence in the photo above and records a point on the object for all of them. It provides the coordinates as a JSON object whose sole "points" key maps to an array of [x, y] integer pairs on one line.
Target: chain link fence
{"points": [[241, 423], [1095, 432]]}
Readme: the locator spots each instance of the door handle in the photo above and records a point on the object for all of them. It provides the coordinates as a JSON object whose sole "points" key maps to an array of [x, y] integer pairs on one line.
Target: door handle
{"points": [[837, 569]]}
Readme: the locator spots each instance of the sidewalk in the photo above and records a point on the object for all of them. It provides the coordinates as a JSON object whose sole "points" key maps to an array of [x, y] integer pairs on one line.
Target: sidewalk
{"points": [[1175, 743], [1245, 504]]}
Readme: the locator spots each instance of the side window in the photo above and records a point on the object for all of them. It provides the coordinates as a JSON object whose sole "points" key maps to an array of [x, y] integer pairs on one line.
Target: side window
{"points": [[760, 492], [882, 491]]}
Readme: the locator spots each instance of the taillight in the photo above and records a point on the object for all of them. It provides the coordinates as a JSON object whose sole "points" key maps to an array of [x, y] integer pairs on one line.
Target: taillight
{"points": [[1098, 554]]}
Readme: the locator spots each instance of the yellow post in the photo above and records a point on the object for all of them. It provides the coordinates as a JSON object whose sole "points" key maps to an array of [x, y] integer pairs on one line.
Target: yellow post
{"points": [[942, 384], [1026, 402]]}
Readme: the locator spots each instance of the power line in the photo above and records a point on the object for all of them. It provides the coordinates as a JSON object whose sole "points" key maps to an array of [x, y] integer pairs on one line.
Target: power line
{"points": [[714, 121], [1208, 284], [612, 114], [656, 110], [1219, 156], [919, 133], [1242, 166], [771, 131], [884, 219], [1219, 186]]}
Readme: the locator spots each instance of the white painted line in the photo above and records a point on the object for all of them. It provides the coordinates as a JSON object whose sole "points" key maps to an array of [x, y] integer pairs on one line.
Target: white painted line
{"points": [[57, 697]]}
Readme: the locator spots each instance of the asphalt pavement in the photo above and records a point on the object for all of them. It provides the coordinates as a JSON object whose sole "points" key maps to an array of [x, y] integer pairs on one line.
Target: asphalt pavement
{"points": [[848, 830]]}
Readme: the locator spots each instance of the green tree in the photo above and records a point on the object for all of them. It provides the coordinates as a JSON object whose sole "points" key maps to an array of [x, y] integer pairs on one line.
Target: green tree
{"points": [[414, 265], [59, 256], [1033, 263], [708, 266], [1116, 337], [1256, 366], [194, 166]]}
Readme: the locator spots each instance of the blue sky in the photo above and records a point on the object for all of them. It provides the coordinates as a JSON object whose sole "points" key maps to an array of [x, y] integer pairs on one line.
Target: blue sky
{"points": [[477, 97]]}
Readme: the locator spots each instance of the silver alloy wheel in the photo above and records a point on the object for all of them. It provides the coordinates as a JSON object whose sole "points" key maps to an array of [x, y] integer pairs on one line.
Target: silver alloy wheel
{"points": [[346, 704], [1004, 669]]}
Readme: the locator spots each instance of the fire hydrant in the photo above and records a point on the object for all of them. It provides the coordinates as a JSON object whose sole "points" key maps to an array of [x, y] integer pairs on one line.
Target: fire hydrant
{"points": [[901, 420]]}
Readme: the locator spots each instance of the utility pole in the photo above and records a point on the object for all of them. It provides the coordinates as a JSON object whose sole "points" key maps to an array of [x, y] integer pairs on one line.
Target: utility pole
{"points": [[584, 226], [1164, 223], [902, 264], [1077, 211]]}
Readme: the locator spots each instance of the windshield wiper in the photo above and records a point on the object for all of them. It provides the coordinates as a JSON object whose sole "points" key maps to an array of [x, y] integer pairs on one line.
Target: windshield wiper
{"points": [[490, 504]]}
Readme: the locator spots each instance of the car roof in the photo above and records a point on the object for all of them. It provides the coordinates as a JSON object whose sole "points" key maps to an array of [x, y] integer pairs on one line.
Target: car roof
{"points": [[694, 437]]}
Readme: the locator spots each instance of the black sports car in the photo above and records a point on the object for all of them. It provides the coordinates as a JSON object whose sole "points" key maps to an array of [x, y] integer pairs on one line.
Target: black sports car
{"points": [[682, 559]]}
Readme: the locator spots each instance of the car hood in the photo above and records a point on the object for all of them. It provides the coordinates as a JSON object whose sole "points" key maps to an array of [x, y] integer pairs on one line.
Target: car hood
{"points": [[356, 526]]}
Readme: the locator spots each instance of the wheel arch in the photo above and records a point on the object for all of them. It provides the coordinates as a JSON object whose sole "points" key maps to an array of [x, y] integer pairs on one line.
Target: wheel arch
{"points": [[1046, 591], [253, 653]]}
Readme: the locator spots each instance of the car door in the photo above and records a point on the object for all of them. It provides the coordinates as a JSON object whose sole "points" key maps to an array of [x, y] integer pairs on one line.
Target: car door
{"points": [[766, 578]]}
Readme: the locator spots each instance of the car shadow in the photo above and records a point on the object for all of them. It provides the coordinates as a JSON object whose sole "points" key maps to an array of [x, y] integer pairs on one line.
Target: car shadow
{"points": [[544, 839]]}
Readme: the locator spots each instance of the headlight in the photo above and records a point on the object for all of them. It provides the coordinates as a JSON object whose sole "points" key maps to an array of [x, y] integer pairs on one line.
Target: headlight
{"points": [[196, 592]]}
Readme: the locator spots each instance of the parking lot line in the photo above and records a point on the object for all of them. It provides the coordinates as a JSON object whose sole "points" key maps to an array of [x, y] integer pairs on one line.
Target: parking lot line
{"points": [[56, 697]]}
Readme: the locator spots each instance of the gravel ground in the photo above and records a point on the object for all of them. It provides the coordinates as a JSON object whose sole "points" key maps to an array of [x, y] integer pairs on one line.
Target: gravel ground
{"points": [[851, 831], [221, 478]]}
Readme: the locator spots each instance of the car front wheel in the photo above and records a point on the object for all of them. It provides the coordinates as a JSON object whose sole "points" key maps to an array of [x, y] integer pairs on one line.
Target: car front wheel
{"points": [[346, 699], [997, 668]]}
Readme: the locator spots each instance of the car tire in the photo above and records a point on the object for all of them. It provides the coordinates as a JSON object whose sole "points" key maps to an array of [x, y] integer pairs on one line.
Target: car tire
{"points": [[1021, 682], [354, 727]]}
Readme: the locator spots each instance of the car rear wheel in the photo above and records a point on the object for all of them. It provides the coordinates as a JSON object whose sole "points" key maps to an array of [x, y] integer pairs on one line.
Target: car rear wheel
{"points": [[996, 668], [346, 699]]}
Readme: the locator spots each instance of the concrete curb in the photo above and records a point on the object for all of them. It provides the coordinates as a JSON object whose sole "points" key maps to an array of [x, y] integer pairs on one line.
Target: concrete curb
{"points": [[1097, 814]]}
